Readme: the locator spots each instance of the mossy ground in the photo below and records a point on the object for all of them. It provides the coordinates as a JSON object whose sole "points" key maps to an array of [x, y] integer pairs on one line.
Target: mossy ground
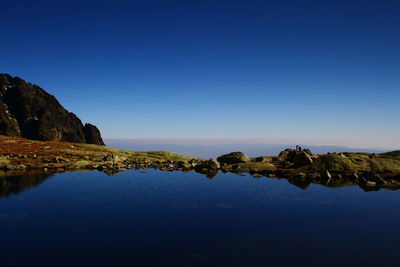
{"points": [[253, 166], [333, 162], [32, 153], [354, 162]]}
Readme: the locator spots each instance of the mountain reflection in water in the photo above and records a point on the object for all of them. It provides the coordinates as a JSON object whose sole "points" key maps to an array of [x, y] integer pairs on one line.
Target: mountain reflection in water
{"points": [[10, 185]]}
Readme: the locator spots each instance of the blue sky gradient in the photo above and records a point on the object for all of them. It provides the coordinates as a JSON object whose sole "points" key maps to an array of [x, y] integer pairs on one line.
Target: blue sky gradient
{"points": [[322, 72]]}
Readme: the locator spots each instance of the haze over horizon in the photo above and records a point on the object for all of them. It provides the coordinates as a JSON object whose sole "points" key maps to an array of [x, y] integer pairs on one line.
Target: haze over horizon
{"points": [[239, 141], [314, 72]]}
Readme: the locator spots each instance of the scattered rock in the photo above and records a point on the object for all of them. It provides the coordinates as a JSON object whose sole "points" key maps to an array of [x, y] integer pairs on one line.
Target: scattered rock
{"points": [[210, 165]]}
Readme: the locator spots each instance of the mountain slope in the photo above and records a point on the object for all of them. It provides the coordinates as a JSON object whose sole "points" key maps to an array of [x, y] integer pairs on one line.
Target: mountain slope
{"points": [[26, 110]]}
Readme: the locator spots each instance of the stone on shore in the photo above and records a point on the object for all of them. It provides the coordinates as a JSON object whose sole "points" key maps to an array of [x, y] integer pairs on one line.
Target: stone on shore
{"points": [[211, 164], [302, 159], [233, 158]]}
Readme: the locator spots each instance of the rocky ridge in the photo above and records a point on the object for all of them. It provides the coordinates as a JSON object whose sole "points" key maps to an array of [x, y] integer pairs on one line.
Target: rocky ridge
{"points": [[26, 110]]}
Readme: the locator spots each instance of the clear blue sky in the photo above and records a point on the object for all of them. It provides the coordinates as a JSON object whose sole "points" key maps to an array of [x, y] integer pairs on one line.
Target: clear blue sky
{"points": [[295, 70]]}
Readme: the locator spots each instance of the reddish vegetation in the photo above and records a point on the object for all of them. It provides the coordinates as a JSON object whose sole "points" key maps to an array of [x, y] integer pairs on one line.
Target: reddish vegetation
{"points": [[24, 150], [20, 146]]}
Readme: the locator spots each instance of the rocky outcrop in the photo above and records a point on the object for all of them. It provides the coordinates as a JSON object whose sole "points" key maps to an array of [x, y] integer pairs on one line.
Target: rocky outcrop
{"points": [[8, 124], [26, 110], [288, 154]]}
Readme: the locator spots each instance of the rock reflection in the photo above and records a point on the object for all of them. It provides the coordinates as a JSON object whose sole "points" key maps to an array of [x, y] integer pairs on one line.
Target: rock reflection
{"points": [[300, 183], [211, 174], [15, 183], [304, 182], [10, 185]]}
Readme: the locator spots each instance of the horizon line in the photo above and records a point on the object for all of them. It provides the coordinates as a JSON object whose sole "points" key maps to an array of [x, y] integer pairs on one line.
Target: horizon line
{"points": [[246, 141]]}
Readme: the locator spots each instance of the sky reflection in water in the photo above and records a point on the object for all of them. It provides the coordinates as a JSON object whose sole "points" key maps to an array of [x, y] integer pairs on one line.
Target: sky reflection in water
{"points": [[186, 219]]}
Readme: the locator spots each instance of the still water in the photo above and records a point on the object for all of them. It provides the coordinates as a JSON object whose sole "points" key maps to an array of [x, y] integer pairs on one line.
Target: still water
{"points": [[185, 219]]}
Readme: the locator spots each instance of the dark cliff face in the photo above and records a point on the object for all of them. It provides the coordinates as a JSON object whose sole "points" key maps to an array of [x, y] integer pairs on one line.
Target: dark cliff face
{"points": [[92, 134], [26, 110]]}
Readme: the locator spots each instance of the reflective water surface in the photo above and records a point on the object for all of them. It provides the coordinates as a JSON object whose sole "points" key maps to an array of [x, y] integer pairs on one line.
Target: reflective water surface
{"points": [[185, 219]]}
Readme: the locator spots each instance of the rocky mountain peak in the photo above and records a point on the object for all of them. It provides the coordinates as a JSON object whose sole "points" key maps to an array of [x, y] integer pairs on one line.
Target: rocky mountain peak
{"points": [[26, 110]]}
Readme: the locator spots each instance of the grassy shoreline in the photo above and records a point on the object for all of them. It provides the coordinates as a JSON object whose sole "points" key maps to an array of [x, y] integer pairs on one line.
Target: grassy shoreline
{"points": [[22, 156]]}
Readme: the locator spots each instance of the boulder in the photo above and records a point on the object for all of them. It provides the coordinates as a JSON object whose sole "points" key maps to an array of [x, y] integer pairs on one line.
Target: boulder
{"points": [[288, 151], [288, 154], [114, 158], [211, 164], [234, 157], [302, 159]]}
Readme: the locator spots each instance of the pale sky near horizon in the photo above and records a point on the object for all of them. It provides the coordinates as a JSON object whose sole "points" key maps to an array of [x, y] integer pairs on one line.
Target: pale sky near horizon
{"points": [[289, 142], [304, 71]]}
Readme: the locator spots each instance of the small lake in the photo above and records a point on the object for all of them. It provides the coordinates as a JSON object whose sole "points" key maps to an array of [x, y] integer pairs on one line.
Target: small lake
{"points": [[186, 219]]}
